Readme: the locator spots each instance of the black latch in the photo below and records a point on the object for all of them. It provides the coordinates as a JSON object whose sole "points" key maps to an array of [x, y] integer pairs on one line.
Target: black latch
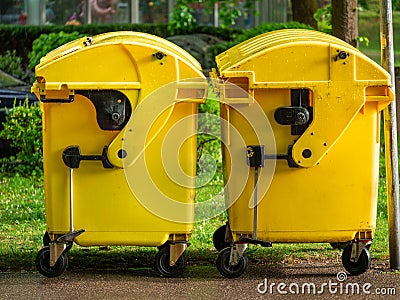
{"points": [[72, 157], [255, 156], [292, 115], [113, 108]]}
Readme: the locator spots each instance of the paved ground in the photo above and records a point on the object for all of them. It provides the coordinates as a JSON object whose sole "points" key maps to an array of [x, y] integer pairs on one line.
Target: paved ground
{"points": [[305, 280]]}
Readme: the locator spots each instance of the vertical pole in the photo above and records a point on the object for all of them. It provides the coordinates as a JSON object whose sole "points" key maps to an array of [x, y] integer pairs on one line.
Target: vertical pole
{"points": [[88, 12], [390, 128], [258, 5], [216, 15], [34, 12], [255, 209], [171, 4], [134, 15], [42, 11]]}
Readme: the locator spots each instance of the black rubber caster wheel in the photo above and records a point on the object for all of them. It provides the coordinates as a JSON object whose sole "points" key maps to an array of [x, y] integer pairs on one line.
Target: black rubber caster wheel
{"points": [[47, 241], [359, 267], [227, 270], [163, 268], [42, 263], [219, 239], [340, 245]]}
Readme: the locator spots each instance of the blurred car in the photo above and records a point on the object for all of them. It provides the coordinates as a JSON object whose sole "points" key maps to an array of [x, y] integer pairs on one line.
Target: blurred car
{"points": [[14, 18], [12, 92]]}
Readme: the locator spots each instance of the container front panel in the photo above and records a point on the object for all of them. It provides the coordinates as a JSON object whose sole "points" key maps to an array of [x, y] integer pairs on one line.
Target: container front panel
{"points": [[329, 202], [104, 204]]}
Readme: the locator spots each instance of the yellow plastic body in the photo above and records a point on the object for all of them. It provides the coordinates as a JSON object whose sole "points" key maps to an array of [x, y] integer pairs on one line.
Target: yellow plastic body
{"points": [[332, 195], [103, 201]]}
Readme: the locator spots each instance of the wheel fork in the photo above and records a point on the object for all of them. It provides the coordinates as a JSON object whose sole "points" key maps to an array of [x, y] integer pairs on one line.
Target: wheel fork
{"points": [[237, 251], [58, 246], [357, 247], [175, 251]]}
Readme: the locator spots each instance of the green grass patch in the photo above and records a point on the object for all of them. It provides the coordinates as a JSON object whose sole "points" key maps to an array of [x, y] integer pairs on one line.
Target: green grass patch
{"points": [[22, 222]]}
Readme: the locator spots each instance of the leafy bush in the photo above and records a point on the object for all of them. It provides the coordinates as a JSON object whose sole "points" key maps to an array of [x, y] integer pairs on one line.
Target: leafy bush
{"points": [[48, 42], [23, 128], [324, 18], [12, 64], [182, 18]]}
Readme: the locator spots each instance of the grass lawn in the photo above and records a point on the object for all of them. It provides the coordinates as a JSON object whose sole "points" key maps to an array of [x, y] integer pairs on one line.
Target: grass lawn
{"points": [[22, 224]]}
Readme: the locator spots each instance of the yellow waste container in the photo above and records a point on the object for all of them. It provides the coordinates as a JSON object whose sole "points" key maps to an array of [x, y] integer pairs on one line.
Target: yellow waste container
{"points": [[300, 133], [112, 106]]}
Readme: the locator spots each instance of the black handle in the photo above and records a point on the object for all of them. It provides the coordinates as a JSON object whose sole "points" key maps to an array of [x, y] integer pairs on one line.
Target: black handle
{"points": [[72, 157], [56, 100]]}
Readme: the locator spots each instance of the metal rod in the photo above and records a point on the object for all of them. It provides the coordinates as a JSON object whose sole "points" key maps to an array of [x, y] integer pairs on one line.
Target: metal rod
{"points": [[42, 11], [216, 15], [255, 209], [71, 200], [275, 156], [134, 11], [390, 129], [88, 12]]}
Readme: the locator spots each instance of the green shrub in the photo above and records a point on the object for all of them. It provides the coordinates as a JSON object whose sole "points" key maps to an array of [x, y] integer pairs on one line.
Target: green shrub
{"points": [[12, 64], [182, 18], [23, 128], [324, 18], [48, 42]]}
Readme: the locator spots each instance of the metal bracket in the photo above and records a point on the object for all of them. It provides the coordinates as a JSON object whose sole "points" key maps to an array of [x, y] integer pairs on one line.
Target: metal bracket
{"points": [[58, 247], [237, 251], [228, 234], [356, 249], [69, 237], [256, 242], [175, 251]]}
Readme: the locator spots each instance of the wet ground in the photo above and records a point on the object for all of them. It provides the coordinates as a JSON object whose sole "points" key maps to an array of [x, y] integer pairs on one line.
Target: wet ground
{"points": [[304, 280]]}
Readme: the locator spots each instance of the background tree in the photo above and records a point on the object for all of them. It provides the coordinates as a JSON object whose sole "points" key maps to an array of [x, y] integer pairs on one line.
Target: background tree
{"points": [[345, 20], [303, 12]]}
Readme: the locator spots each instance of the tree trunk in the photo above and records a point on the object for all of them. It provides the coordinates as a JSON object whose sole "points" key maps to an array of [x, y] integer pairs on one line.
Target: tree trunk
{"points": [[303, 12], [345, 20]]}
